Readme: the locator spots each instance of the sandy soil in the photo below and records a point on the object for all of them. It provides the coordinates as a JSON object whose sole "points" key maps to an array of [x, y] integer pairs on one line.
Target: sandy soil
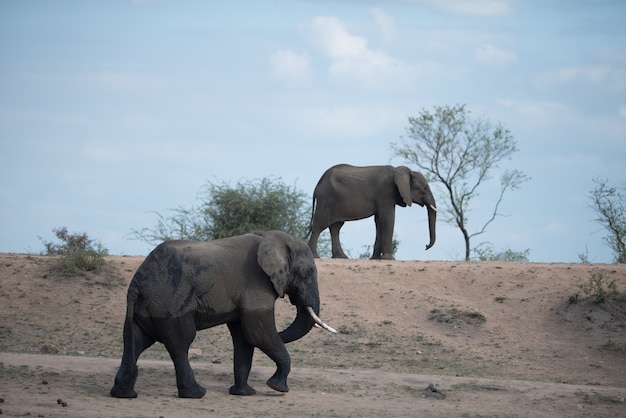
{"points": [[417, 338]]}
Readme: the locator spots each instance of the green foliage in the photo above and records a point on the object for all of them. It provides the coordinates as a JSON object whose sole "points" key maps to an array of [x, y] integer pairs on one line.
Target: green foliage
{"points": [[610, 206], [486, 252], [367, 249], [600, 288], [77, 252], [224, 210], [459, 153]]}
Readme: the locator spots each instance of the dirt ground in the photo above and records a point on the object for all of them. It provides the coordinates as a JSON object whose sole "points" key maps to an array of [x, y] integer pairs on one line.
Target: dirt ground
{"points": [[417, 338]]}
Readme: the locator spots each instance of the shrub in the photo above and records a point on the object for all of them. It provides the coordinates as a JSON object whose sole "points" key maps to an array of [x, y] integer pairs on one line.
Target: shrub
{"points": [[77, 252], [485, 252], [224, 210], [599, 288]]}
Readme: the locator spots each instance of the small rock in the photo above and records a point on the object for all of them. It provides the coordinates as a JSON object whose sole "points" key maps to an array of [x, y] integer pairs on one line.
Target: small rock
{"points": [[195, 352], [49, 349], [216, 360], [432, 391]]}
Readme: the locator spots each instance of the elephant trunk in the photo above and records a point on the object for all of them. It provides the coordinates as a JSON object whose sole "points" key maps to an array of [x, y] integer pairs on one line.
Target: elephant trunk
{"points": [[432, 218], [299, 327], [305, 320]]}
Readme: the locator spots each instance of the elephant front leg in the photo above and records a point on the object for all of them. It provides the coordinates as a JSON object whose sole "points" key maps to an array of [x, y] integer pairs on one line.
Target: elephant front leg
{"points": [[278, 381], [259, 329], [383, 245], [243, 353]]}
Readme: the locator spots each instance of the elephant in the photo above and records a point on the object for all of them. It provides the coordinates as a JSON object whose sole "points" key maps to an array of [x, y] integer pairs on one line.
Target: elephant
{"points": [[184, 286], [347, 193]]}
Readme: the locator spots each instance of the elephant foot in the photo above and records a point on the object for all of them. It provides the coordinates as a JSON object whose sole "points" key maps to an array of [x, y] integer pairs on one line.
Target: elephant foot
{"points": [[195, 392], [278, 384], [242, 390], [383, 257], [120, 392]]}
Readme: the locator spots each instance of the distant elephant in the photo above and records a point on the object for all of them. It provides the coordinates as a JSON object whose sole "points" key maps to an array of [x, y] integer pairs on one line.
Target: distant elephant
{"points": [[347, 193], [185, 286]]}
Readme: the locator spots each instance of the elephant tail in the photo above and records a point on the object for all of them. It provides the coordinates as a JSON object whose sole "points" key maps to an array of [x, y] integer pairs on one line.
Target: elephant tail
{"points": [[129, 322], [310, 227]]}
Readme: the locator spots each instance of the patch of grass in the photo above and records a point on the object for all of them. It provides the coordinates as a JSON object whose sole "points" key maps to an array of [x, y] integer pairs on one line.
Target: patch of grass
{"points": [[595, 398], [456, 315], [613, 346]]}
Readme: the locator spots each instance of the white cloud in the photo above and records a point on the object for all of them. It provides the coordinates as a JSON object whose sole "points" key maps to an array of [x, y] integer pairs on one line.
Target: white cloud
{"points": [[290, 66], [555, 227], [491, 55], [482, 8], [345, 122], [539, 112], [595, 75], [385, 24], [350, 56]]}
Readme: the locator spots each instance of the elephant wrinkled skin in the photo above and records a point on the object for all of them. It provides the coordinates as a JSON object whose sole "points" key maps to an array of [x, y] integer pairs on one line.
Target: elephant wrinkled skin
{"points": [[185, 286], [347, 193]]}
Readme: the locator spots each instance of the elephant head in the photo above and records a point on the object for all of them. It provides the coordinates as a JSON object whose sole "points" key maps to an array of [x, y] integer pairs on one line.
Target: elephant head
{"points": [[414, 188], [291, 268]]}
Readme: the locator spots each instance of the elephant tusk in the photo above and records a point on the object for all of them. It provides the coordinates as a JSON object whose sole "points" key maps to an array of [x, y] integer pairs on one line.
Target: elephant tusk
{"points": [[433, 208], [318, 321]]}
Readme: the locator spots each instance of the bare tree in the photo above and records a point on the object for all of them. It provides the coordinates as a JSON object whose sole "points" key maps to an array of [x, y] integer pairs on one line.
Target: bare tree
{"points": [[610, 205], [460, 152]]}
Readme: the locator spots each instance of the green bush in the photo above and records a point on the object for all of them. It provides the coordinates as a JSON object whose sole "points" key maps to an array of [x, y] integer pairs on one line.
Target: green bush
{"points": [[224, 210], [599, 288], [485, 252], [77, 252]]}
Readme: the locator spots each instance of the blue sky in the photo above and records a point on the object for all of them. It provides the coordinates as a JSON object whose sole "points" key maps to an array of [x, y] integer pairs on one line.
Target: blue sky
{"points": [[113, 110]]}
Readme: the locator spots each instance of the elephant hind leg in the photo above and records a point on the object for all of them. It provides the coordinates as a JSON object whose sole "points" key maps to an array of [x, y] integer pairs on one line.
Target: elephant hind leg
{"points": [[335, 243], [180, 333], [315, 234], [126, 376]]}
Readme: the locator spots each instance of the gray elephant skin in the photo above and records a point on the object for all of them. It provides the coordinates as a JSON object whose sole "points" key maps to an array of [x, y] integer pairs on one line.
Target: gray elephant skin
{"points": [[185, 286], [347, 193]]}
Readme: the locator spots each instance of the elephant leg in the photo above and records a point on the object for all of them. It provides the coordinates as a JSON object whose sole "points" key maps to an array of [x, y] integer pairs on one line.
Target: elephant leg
{"points": [[243, 353], [178, 336], [126, 376], [259, 329], [334, 237], [383, 245], [315, 234]]}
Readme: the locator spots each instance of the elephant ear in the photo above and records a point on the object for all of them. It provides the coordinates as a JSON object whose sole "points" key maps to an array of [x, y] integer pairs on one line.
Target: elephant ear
{"points": [[402, 178], [273, 257]]}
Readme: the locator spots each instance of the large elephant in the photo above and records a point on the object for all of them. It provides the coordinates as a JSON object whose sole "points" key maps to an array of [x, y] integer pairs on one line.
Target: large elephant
{"points": [[347, 193], [185, 286]]}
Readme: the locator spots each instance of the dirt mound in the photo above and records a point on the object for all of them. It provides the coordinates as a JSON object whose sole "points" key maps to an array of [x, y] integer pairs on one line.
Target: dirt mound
{"points": [[416, 339]]}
